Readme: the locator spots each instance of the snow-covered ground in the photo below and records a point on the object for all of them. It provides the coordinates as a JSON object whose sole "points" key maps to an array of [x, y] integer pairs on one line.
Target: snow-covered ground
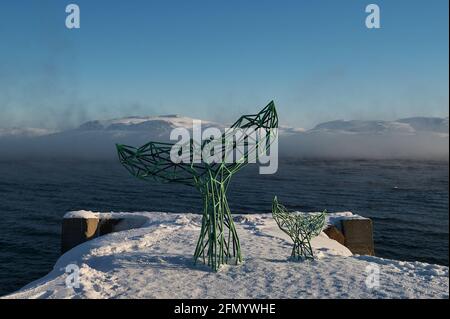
{"points": [[155, 261]]}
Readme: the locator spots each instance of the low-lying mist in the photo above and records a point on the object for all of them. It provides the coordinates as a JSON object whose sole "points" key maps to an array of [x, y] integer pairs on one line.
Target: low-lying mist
{"points": [[95, 145]]}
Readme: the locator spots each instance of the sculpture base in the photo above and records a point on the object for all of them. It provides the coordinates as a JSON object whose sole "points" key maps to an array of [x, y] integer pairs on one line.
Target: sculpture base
{"points": [[218, 242]]}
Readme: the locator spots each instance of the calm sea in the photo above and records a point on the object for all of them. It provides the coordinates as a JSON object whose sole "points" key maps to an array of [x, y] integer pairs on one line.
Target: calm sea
{"points": [[407, 200]]}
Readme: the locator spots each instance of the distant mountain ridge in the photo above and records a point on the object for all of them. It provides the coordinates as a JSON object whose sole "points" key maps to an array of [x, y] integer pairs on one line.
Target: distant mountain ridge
{"points": [[403, 126], [24, 132], [430, 124], [142, 123], [415, 137], [162, 125]]}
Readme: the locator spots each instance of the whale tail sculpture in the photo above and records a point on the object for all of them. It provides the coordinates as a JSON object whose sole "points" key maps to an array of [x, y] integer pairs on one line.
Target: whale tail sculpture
{"points": [[218, 242], [300, 227]]}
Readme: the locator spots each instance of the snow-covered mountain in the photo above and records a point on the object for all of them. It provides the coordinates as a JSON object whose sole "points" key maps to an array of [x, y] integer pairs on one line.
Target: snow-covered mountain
{"points": [[410, 138], [402, 126], [422, 137], [161, 126], [427, 124], [157, 124], [133, 130], [16, 132]]}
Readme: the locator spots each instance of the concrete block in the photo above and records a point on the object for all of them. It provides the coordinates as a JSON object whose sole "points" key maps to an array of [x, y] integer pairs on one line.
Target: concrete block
{"points": [[358, 234], [334, 233], [76, 231]]}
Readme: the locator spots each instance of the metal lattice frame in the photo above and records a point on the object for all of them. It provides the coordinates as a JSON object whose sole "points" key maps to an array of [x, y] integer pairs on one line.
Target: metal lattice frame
{"points": [[218, 242], [300, 227]]}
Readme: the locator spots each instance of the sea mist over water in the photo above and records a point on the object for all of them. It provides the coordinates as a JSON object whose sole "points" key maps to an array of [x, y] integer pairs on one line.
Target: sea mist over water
{"points": [[420, 138], [416, 147], [101, 146]]}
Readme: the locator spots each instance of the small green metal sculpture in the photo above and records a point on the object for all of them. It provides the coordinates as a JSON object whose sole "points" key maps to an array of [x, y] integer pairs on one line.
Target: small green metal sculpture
{"points": [[300, 227], [218, 242]]}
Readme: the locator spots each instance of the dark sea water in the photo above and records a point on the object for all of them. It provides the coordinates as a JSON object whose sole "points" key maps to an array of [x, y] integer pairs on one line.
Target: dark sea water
{"points": [[407, 200]]}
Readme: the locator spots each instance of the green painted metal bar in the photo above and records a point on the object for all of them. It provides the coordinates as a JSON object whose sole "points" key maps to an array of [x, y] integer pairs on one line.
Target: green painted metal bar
{"points": [[300, 227], [218, 239]]}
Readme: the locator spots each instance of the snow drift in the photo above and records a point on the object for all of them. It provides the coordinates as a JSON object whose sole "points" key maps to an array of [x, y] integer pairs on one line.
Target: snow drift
{"points": [[155, 261]]}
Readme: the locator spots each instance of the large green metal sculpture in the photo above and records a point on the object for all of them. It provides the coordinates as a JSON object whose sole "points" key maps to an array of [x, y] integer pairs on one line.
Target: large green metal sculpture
{"points": [[218, 242], [300, 227]]}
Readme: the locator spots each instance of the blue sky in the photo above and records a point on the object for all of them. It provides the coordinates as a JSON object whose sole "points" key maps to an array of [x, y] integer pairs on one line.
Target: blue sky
{"points": [[217, 59]]}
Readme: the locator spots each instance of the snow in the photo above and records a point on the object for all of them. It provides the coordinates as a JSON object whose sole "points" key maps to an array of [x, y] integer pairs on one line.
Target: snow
{"points": [[155, 261], [335, 218], [363, 127], [24, 132], [414, 138], [81, 214], [161, 125], [403, 126], [130, 123], [428, 124]]}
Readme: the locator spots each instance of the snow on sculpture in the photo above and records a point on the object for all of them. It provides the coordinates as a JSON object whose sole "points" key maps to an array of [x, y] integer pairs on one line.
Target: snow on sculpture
{"points": [[300, 227], [218, 242]]}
